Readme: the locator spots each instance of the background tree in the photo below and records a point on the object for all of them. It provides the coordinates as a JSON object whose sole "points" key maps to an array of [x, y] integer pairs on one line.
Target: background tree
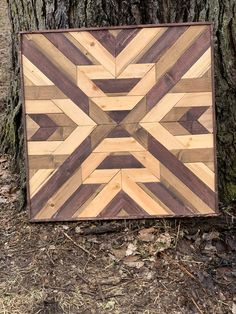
{"points": [[46, 14]]}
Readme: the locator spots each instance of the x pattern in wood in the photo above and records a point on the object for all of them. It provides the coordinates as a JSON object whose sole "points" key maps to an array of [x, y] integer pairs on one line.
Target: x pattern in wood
{"points": [[119, 122]]}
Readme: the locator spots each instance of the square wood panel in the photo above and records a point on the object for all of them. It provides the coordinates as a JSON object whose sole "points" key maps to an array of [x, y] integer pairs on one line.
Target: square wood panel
{"points": [[119, 122]]}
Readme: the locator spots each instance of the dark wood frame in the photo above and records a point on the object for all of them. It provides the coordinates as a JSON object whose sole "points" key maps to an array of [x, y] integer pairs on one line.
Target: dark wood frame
{"points": [[22, 93]]}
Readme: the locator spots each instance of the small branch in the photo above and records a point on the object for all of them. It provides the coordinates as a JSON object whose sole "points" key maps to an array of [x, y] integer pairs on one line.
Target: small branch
{"points": [[78, 245]]}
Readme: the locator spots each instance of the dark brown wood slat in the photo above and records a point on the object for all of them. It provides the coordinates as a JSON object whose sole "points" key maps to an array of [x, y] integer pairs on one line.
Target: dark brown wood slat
{"points": [[43, 120], [106, 39], [167, 198], [116, 85], [193, 114], [43, 134], [118, 115], [181, 172], [162, 44], [55, 75], [118, 131], [62, 43], [124, 38], [194, 127], [75, 201], [119, 162]]}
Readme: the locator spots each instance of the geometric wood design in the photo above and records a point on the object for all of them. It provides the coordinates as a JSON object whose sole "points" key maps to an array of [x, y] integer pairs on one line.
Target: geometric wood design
{"points": [[119, 122]]}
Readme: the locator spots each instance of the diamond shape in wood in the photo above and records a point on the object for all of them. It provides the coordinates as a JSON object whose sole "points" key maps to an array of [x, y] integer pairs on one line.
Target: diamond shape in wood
{"points": [[119, 122]]}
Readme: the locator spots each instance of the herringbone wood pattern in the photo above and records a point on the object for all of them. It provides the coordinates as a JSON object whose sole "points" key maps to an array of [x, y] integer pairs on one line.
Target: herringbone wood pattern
{"points": [[119, 122]]}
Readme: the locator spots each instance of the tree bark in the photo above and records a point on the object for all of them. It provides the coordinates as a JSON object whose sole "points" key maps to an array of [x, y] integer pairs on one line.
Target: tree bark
{"points": [[46, 14]]}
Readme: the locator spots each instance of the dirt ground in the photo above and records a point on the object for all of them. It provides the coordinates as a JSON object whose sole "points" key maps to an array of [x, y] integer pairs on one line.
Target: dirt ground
{"points": [[146, 266]]}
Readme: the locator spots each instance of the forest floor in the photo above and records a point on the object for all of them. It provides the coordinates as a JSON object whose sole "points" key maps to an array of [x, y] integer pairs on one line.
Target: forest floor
{"points": [[144, 266]]}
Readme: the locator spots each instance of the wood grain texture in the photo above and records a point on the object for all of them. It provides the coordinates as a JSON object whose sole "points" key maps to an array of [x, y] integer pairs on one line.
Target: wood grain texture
{"points": [[119, 123]]}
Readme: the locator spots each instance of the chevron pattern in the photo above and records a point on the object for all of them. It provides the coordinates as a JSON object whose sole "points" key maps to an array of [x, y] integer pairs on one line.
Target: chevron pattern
{"points": [[119, 123]]}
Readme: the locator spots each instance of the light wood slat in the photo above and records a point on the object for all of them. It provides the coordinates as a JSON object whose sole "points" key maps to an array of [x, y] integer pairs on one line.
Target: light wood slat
{"points": [[203, 172], [95, 48], [41, 106], [73, 112], [116, 103], [87, 86], [39, 177], [141, 175], [140, 43], [164, 137], [74, 140], [34, 74], [150, 162], [27, 82], [177, 49], [94, 72], [183, 192], [44, 182], [200, 67], [43, 147], [195, 100], [206, 120], [54, 55], [141, 198], [91, 163], [100, 176], [102, 199], [158, 112], [31, 124], [210, 165], [145, 84], [196, 141], [119, 145], [136, 70]]}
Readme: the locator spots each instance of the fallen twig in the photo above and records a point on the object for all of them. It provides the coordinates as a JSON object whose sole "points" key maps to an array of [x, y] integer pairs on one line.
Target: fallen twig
{"points": [[195, 303], [78, 245]]}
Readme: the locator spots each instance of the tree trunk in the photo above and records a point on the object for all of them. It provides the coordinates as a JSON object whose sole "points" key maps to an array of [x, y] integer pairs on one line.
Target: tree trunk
{"points": [[46, 14]]}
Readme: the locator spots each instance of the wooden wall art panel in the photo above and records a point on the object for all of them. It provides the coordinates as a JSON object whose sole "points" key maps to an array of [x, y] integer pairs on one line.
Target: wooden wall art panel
{"points": [[119, 122]]}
